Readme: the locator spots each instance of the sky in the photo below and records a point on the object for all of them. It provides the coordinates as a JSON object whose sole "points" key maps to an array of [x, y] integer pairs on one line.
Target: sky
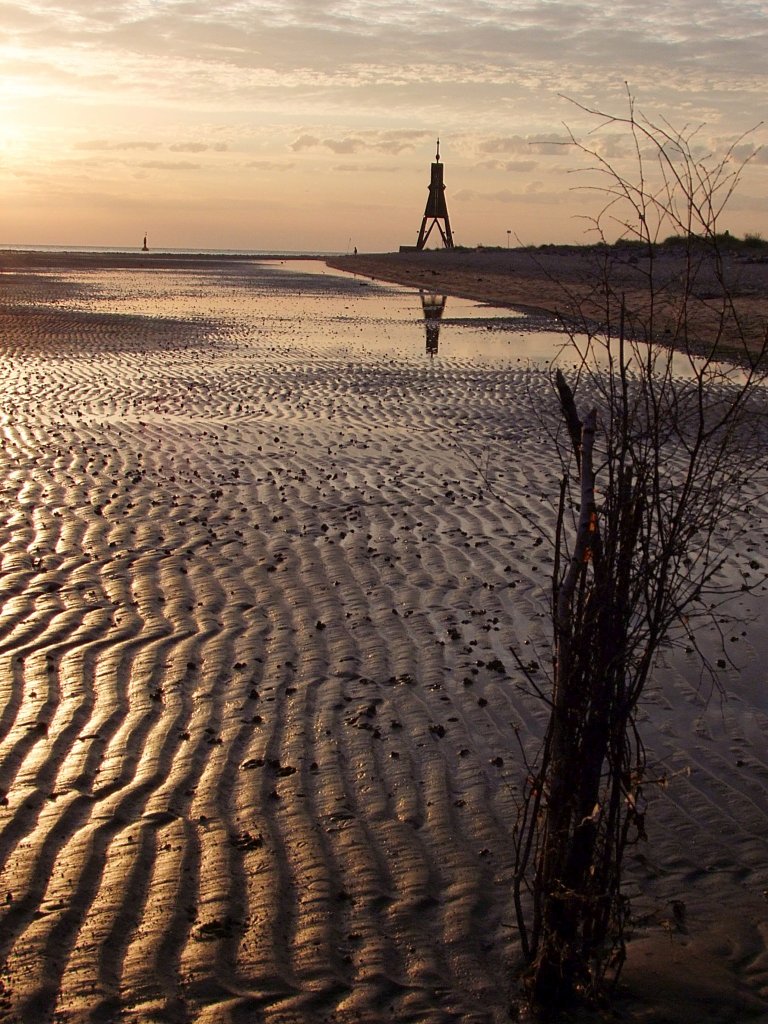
{"points": [[310, 125]]}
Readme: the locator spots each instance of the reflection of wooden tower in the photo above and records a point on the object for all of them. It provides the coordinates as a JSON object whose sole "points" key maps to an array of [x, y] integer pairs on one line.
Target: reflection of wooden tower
{"points": [[436, 209], [433, 306]]}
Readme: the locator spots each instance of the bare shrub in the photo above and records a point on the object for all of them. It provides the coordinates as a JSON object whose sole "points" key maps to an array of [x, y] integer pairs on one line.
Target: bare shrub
{"points": [[658, 438]]}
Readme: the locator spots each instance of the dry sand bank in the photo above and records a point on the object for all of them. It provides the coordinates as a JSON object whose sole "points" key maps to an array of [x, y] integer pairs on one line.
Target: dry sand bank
{"points": [[565, 281], [258, 717]]}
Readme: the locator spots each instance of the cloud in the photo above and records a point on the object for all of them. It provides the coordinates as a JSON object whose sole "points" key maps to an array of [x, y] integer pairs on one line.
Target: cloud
{"points": [[512, 166], [169, 165], [392, 141], [546, 144], [509, 144], [397, 142], [519, 39], [198, 147], [367, 168], [305, 142], [269, 165], [106, 146], [348, 145], [747, 151], [534, 193]]}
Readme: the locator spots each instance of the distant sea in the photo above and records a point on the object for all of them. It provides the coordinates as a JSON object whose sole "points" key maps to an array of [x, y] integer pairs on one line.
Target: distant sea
{"points": [[247, 253]]}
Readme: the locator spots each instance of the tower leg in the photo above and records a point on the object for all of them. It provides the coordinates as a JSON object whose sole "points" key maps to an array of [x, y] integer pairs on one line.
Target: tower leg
{"points": [[425, 232], [447, 236]]}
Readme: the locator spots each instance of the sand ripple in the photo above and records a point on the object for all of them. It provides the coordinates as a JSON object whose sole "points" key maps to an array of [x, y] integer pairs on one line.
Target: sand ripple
{"points": [[259, 718]]}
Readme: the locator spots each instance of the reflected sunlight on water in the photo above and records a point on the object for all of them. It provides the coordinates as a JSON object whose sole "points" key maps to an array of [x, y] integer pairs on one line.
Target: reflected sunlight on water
{"points": [[327, 312]]}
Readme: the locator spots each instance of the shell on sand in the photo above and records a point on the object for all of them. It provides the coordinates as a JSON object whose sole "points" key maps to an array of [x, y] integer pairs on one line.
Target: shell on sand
{"points": [[260, 728]]}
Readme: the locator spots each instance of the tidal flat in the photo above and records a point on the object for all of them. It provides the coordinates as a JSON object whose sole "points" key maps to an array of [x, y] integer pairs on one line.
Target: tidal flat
{"points": [[266, 547]]}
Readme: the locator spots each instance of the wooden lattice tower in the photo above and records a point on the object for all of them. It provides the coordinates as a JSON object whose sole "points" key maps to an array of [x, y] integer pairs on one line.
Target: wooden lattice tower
{"points": [[436, 209]]}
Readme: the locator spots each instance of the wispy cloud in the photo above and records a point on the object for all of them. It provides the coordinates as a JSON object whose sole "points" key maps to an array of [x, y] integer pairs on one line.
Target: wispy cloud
{"points": [[198, 147], [533, 193], [549, 144], [749, 153], [169, 165], [366, 169], [269, 165], [511, 166], [393, 142], [105, 146]]}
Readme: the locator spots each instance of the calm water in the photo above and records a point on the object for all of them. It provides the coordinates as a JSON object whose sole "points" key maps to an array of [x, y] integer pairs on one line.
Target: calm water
{"points": [[325, 310], [332, 312], [117, 249]]}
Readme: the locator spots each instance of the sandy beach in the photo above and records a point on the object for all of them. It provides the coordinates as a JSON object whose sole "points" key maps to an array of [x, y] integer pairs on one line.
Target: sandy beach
{"points": [[260, 725]]}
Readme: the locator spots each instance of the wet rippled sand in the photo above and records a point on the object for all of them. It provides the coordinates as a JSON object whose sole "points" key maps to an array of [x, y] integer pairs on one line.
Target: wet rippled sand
{"points": [[259, 721]]}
